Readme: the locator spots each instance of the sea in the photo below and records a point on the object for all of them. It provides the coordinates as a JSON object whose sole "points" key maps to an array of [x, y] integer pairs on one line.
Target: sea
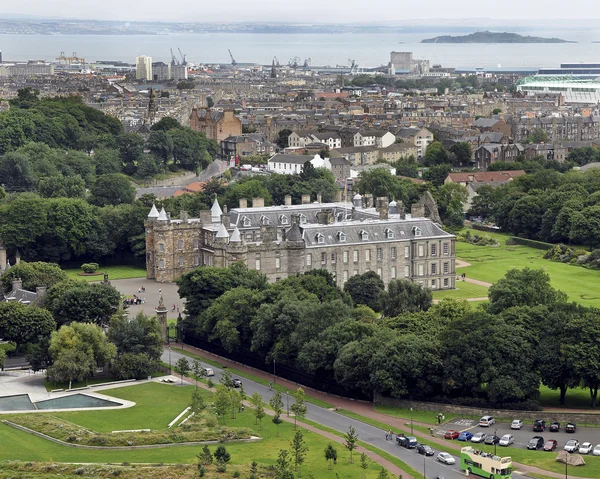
{"points": [[366, 49]]}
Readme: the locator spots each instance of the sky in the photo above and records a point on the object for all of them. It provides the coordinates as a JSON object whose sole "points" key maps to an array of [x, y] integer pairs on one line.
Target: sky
{"points": [[310, 11]]}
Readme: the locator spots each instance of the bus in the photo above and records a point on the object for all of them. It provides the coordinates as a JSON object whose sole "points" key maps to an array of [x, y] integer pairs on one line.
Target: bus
{"points": [[485, 464]]}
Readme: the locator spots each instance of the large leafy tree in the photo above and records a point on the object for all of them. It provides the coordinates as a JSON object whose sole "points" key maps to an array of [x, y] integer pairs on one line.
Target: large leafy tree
{"points": [[365, 289], [23, 323], [404, 296], [33, 275], [112, 189]]}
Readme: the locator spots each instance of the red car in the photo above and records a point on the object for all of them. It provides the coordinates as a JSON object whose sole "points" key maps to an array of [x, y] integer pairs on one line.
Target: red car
{"points": [[451, 434], [550, 445]]}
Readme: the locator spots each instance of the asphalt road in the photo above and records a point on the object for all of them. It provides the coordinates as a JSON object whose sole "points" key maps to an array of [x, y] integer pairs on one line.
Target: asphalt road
{"points": [[523, 435], [333, 420]]}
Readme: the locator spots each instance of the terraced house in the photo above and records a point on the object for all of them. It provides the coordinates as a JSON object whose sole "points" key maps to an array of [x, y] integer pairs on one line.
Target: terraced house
{"points": [[345, 239]]}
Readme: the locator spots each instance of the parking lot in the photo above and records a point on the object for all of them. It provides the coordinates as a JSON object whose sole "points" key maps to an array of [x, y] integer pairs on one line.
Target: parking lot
{"points": [[523, 435]]}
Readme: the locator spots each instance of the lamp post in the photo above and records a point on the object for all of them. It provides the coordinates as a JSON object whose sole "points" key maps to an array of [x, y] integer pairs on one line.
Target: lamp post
{"points": [[567, 456], [274, 371], [169, 359], [287, 399], [424, 462], [411, 422], [495, 439]]}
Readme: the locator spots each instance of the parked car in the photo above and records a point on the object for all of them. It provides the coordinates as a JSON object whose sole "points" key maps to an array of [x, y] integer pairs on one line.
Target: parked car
{"points": [[596, 451], [539, 425], [550, 445], [535, 442], [478, 437], [487, 421], [586, 448], [409, 442], [237, 383], [465, 436], [572, 445], [446, 458], [555, 426], [506, 440], [570, 427], [451, 434], [425, 449], [516, 424], [209, 372], [492, 439]]}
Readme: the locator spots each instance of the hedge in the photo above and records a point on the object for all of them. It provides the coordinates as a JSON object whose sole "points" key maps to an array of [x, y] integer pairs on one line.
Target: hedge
{"points": [[531, 243]]}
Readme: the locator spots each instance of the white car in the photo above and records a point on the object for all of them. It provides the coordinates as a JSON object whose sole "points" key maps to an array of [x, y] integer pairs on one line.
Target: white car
{"points": [[479, 437], [209, 372], [585, 448], [487, 421], [507, 440], [572, 445], [446, 458], [516, 424], [596, 451]]}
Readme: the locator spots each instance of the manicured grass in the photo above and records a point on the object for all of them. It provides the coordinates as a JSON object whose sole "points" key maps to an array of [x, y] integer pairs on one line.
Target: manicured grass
{"points": [[114, 272], [427, 417], [50, 385], [575, 398], [463, 290], [490, 263], [156, 406]]}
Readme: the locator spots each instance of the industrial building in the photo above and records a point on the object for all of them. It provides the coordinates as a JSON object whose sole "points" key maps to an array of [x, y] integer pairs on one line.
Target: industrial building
{"points": [[574, 89], [403, 62], [31, 68]]}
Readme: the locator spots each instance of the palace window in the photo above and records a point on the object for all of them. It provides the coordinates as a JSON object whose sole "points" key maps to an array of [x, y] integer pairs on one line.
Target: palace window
{"points": [[341, 236], [389, 234]]}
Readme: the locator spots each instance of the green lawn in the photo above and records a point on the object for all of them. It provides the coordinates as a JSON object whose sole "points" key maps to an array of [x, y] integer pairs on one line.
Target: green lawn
{"points": [[114, 272], [491, 263], [156, 406], [463, 290], [575, 398]]}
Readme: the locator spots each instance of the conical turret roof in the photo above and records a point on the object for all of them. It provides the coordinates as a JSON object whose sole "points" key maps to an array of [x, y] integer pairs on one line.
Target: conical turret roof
{"points": [[162, 216], [216, 212], [222, 233], [153, 212], [236, 237]]}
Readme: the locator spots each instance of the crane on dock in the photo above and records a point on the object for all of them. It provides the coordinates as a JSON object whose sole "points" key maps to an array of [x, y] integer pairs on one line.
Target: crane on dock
{"points": [[307, 63], [174, 60], [233, 62], [183, 57], [294, 62]]}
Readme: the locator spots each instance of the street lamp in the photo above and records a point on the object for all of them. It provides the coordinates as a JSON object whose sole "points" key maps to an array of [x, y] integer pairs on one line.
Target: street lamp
{"points": [[169, 359], [411, 422], [567, 455], [424, 457], [495, 440], [273, 370], [287, 399]]}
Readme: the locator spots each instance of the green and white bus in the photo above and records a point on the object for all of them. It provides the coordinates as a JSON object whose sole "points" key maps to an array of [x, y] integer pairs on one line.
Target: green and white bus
{"points": [[485, 464]]}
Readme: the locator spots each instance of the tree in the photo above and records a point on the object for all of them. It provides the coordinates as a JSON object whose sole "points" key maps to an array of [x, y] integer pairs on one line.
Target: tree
{"points": [[299, 450], [298, 408], [451, 199], [351, 441], [282, 138], [437, 174], [462, 153], [205, 458], [33, 275], [71, 365], [276, 403], [182, 367], [166, 123], [259, 408], [85, 302], [209, 102], [404, 296], [383, 474], [134, 366], [537, 136], [140, 335], [197, 403], [364, 465], [283, 466], [161, 145], [523, 287], [22, 324], [586, 226], [59, 186], [235, 401], [436, 154], [330, 455], [16, 173], [197, 370], [112, 189], [221, 455], [365, 289], [222, 402]]}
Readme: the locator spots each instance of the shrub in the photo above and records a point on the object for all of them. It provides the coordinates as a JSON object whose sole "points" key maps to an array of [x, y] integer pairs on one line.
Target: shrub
{"points": [[221, 467], [90, 267], [201, 471], [236, 474], [531, 243]]}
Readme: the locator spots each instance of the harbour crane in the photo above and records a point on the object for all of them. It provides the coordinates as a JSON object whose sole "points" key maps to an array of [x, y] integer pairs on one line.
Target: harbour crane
{"points": [[353, 66], [183, 57], [233, 62], [276, 62], [293, 63], [174, 60], [307, 63]]}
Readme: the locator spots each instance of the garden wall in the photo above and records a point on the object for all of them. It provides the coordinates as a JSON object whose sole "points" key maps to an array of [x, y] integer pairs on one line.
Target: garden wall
{"points": [[581, 418]]}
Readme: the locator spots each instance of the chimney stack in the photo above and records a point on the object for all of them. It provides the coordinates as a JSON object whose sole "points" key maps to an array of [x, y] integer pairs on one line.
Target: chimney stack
{"points": [[41, 292], [287, 200], [319, 198], [368, 200], [383, 207], [325, 217], [17, 284], [305, 199], [258, 202], [243, 203], [183, 216]]}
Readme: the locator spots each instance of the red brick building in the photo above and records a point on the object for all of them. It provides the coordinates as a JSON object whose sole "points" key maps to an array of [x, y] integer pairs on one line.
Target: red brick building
{"points": [[217, 125]]}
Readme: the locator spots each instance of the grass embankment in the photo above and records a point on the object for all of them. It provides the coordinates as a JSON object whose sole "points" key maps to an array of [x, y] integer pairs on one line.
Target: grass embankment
{"points": [[114, 273], [156, 406], [463, 290]]}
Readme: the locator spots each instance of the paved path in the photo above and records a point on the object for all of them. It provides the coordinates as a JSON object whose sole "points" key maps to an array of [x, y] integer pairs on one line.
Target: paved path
{"points": [[367, 433], [169, 291]]}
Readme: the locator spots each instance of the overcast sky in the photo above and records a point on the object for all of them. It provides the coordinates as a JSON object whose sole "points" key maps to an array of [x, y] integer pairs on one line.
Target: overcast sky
{"points": [[313, 11]]}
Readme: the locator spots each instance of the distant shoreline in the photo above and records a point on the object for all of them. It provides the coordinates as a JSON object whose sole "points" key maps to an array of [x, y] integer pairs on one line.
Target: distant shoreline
{"points": [[493, 37]]}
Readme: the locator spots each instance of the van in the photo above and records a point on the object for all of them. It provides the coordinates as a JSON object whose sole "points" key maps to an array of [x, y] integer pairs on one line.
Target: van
{"points": [[209, 372], [487, 421]]}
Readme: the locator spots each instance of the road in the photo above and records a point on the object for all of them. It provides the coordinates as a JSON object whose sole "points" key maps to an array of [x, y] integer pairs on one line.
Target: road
{"points": [[333, 420]]}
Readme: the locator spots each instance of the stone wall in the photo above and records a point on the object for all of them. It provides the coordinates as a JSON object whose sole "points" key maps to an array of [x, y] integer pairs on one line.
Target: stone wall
{"points": [[451, 410]]}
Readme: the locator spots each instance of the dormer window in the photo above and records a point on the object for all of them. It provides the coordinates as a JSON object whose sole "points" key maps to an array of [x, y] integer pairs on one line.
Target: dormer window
{"points": [[320, 238], [341, 236], [416, 231], [389, 234], [264, 220], [364, 236], [302, 219], [246, 221], [283, 219]]}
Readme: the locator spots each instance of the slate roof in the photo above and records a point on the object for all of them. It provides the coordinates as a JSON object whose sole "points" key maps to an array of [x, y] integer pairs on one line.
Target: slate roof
{"points": [[485, 176], [293, 159], [485, 122], [21, 296]]}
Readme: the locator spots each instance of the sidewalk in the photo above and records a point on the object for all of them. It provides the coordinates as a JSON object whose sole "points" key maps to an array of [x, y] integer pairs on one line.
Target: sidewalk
{"points": [[362, 408]]}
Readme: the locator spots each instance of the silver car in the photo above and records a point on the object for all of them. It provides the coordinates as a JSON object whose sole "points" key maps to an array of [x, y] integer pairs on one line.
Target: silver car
{"points": [[507, 440], [572, 445], [479, 437], [446, 458]]}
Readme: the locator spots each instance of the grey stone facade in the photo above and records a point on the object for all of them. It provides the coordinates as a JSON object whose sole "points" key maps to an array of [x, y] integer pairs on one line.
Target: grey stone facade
{"points": [[280, 241]]}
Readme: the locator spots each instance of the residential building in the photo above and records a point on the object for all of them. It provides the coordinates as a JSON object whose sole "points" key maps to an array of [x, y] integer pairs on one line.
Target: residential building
{"points": [[492, 125], [360, 155], [491, 153], [303, 138], [248, 144], [377, 138], [548, 151], [161, 71], [420, 137], [143, 68], [215, 124], [294, 164]]}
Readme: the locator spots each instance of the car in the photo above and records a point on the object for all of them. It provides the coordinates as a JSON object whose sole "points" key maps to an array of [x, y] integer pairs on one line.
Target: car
{"points": [[425, 449], [535, 442], [409, 442], [550, 445], [492, 439], [487, 421], [446, 458], [478, 437], [465, 436], [596, 451], [209, 372], [451, 434], [555, 426], [570, 427], [237, 383], [516, 424], [571, 445], [586, 448], [539, 425], [506, 440]]}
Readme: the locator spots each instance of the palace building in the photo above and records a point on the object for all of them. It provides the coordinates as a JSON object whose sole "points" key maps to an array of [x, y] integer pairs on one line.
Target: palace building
{"points": [[281, 241]]}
